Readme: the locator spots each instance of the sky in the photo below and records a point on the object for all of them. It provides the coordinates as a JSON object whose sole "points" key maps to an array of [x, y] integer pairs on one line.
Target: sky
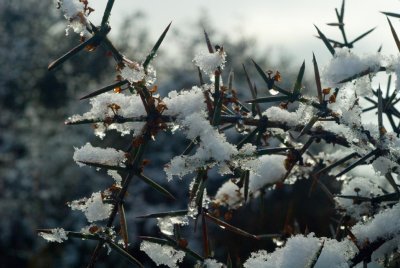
{"points": [[285, 25]]}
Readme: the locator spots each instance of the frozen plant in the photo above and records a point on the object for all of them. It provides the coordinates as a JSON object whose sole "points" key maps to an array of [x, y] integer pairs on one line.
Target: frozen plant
{"points": [[369, 230]]}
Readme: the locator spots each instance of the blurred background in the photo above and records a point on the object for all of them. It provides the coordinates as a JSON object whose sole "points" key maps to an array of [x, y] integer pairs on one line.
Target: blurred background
{"points": [[37, 173]]}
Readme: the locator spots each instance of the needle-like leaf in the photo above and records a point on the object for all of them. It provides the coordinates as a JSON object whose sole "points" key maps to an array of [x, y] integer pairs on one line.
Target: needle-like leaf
{"points": [[393, 183], [268, 99], [268, 80], [316, 255], [298, 84], [124, 226], [208, 42], [156, 47], [165, 214], [326, 42], [309, 125], [396, 38], [391, 14], [317, 80], [252, 90], [94, 39], [156, 186], [360, 161], [362, 36], [99, 165], [105, 89], [380, 113], [107, 13], [229, 227]]}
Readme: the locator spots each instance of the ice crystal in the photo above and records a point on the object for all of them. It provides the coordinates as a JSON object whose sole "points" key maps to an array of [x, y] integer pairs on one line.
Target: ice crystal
{"points": [[166, 224]]}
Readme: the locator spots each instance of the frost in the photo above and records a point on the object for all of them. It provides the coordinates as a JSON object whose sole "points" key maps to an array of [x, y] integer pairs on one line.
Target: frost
{"points": [[299, 251], [94, 207], [209, 62], [346, 64], [90, 154], [165, 254], [57, 235], [166, 224]]}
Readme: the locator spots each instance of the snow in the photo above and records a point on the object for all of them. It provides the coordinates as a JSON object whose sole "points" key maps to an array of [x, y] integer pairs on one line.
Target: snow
{"points": [[211, 263], [362, 187], [335, 254], [107, 156], [385, 224], [93, 207], [299, 251], [301, 116], [74, 12], [229, 195], [270, 169], [264, 171], [186, 102], [105, 106], [57, 235], [383, 165], [133, 72], [346, 64], [209, 62], [393, 65], [115, 175], [213, 148], [162, 254]]}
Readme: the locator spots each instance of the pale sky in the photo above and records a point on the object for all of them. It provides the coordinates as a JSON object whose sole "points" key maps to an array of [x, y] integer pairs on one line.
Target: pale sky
{"points": [[283, 24]]}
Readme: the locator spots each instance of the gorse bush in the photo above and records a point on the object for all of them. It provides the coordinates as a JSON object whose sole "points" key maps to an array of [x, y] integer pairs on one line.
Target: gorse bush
{"points": [[247, 151]]}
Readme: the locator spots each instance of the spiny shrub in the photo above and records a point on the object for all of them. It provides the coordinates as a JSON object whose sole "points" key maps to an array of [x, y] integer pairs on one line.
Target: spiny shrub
{"points": [[299, 136]]}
